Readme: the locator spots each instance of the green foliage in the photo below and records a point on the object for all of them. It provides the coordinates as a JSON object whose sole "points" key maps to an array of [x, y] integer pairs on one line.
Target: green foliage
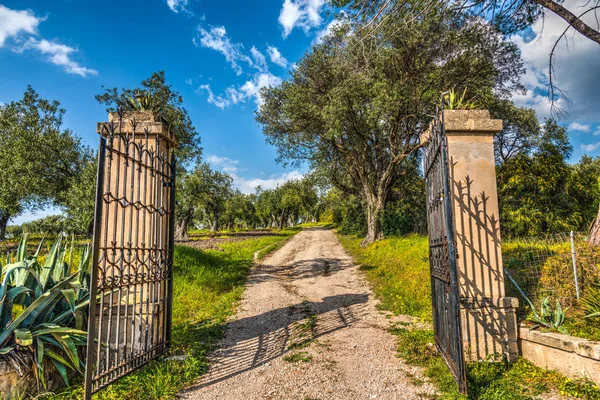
{"points": [[455, 101], [43, 308], [549, 317], [162, 98], [142, 101], [590, 303], [38, 159], [539, 192], [356, 105], [78, 202]]}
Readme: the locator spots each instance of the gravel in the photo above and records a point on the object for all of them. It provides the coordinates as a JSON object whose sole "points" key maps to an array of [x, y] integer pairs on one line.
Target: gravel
{"points": [[308, 328]]}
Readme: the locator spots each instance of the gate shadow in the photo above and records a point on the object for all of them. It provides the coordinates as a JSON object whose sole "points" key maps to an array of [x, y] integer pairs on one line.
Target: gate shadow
{"points": [[254, 341], [302, 269]]}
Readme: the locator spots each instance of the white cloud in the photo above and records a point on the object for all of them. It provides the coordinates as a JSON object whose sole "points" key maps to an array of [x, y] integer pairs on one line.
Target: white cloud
{"points": [[260, 62], [59, 54], [250, 89], [177, 5], [224, 163], [588, 148], [304, 14], [597, 132], [13, 23], [276, 57], [249, 185], [21, 26], [216, 38], [576, 126], [576, 66]]}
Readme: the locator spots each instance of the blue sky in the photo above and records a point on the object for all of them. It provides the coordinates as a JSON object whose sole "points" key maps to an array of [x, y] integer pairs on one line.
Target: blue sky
{"points": [[218, 55]]}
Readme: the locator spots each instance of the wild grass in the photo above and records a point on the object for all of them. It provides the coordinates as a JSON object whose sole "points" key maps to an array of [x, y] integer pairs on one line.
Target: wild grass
{"points": [[398, 270], [207, 286]]}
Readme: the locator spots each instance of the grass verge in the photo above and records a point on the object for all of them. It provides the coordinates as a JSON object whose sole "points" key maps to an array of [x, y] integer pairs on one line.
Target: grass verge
{"points": [[398, 271], [207, 286]]}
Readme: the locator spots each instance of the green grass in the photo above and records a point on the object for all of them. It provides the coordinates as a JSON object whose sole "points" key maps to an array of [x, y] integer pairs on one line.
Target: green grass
{"points": [[207, 287], [398, 270]]}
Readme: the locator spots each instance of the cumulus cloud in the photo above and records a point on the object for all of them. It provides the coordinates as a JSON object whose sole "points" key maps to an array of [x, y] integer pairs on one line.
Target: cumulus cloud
{"points": [[249, 90], [21, 26], [304, 14], [59, 54], [216, 39], [276, 57], [223, 163], [576, 126], [248, 185], [588, 148], [576, 66], [14, 23]]}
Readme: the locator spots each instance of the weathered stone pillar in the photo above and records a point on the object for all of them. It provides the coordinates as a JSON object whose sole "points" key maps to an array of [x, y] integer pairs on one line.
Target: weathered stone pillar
{"points": [[488, 317], [134, 231]]}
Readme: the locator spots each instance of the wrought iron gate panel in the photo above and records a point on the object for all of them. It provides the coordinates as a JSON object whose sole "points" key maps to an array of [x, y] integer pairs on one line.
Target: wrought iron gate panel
{"points": [[442, 254], [132, 264]]}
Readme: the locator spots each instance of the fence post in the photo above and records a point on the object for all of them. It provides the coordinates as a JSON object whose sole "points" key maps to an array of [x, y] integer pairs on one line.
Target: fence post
{"points": [[488, 317], [574, 258]]}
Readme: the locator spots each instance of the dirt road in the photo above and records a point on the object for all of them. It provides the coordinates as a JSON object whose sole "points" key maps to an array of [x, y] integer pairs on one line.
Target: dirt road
{"points": [[308, 328]]}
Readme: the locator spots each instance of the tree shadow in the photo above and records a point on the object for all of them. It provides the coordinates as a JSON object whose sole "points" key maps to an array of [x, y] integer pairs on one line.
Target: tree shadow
{"points": [[254, 341]]}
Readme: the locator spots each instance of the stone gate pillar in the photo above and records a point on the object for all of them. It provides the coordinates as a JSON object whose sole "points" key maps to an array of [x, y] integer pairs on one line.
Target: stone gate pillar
{"points": [[488, 317]]}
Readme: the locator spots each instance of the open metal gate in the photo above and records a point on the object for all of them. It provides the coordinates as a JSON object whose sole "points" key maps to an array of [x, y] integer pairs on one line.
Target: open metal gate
{"points": [[442, 254], [132, 264]]}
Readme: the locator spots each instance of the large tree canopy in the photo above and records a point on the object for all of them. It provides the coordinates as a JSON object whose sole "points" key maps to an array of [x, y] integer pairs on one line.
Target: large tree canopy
{"points": [[38, 159], [356, 105]]}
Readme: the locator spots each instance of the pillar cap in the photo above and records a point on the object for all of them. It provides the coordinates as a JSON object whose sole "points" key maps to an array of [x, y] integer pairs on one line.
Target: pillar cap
{"points": [[145, 120], [471, 122]]}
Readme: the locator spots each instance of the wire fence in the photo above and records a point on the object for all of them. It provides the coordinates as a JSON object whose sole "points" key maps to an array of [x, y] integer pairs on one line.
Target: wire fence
{"points": [[561, 266]]}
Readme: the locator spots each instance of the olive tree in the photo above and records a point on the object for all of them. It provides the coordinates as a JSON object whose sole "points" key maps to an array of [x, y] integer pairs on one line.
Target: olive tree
{"points": [[356, 104], [39, 160]]}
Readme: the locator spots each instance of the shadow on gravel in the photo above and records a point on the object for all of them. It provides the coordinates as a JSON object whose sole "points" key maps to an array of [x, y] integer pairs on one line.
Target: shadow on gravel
{"points": [[302, 269], [254, 341]]}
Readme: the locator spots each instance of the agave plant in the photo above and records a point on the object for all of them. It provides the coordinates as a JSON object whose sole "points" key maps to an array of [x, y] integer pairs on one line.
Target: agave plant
{"points": [[590, 304], [549, 317], [454, 101], [142, 101], [43, 308]]}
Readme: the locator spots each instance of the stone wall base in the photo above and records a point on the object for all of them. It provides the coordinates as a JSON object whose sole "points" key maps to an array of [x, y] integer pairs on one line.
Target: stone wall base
{"points": [[489, 328], [571, 356]]}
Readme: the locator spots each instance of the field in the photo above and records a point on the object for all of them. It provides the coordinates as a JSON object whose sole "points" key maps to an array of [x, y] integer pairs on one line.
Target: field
{"points": [[398, 270]]}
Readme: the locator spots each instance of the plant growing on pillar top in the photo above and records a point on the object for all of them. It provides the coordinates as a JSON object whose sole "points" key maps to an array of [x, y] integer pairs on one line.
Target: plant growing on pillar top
{"points": [[548, 316], [43, 309]]}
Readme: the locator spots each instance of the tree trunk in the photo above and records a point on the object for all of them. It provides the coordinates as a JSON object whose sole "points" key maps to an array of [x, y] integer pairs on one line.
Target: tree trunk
{"points": [[215, 223], [374, 227], [181, 228], [3, 224], [282, 220], [594, 238]]}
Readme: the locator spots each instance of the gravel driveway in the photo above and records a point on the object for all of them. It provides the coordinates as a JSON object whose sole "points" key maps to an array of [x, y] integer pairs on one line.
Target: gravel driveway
{"points": [[308, 328]]}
